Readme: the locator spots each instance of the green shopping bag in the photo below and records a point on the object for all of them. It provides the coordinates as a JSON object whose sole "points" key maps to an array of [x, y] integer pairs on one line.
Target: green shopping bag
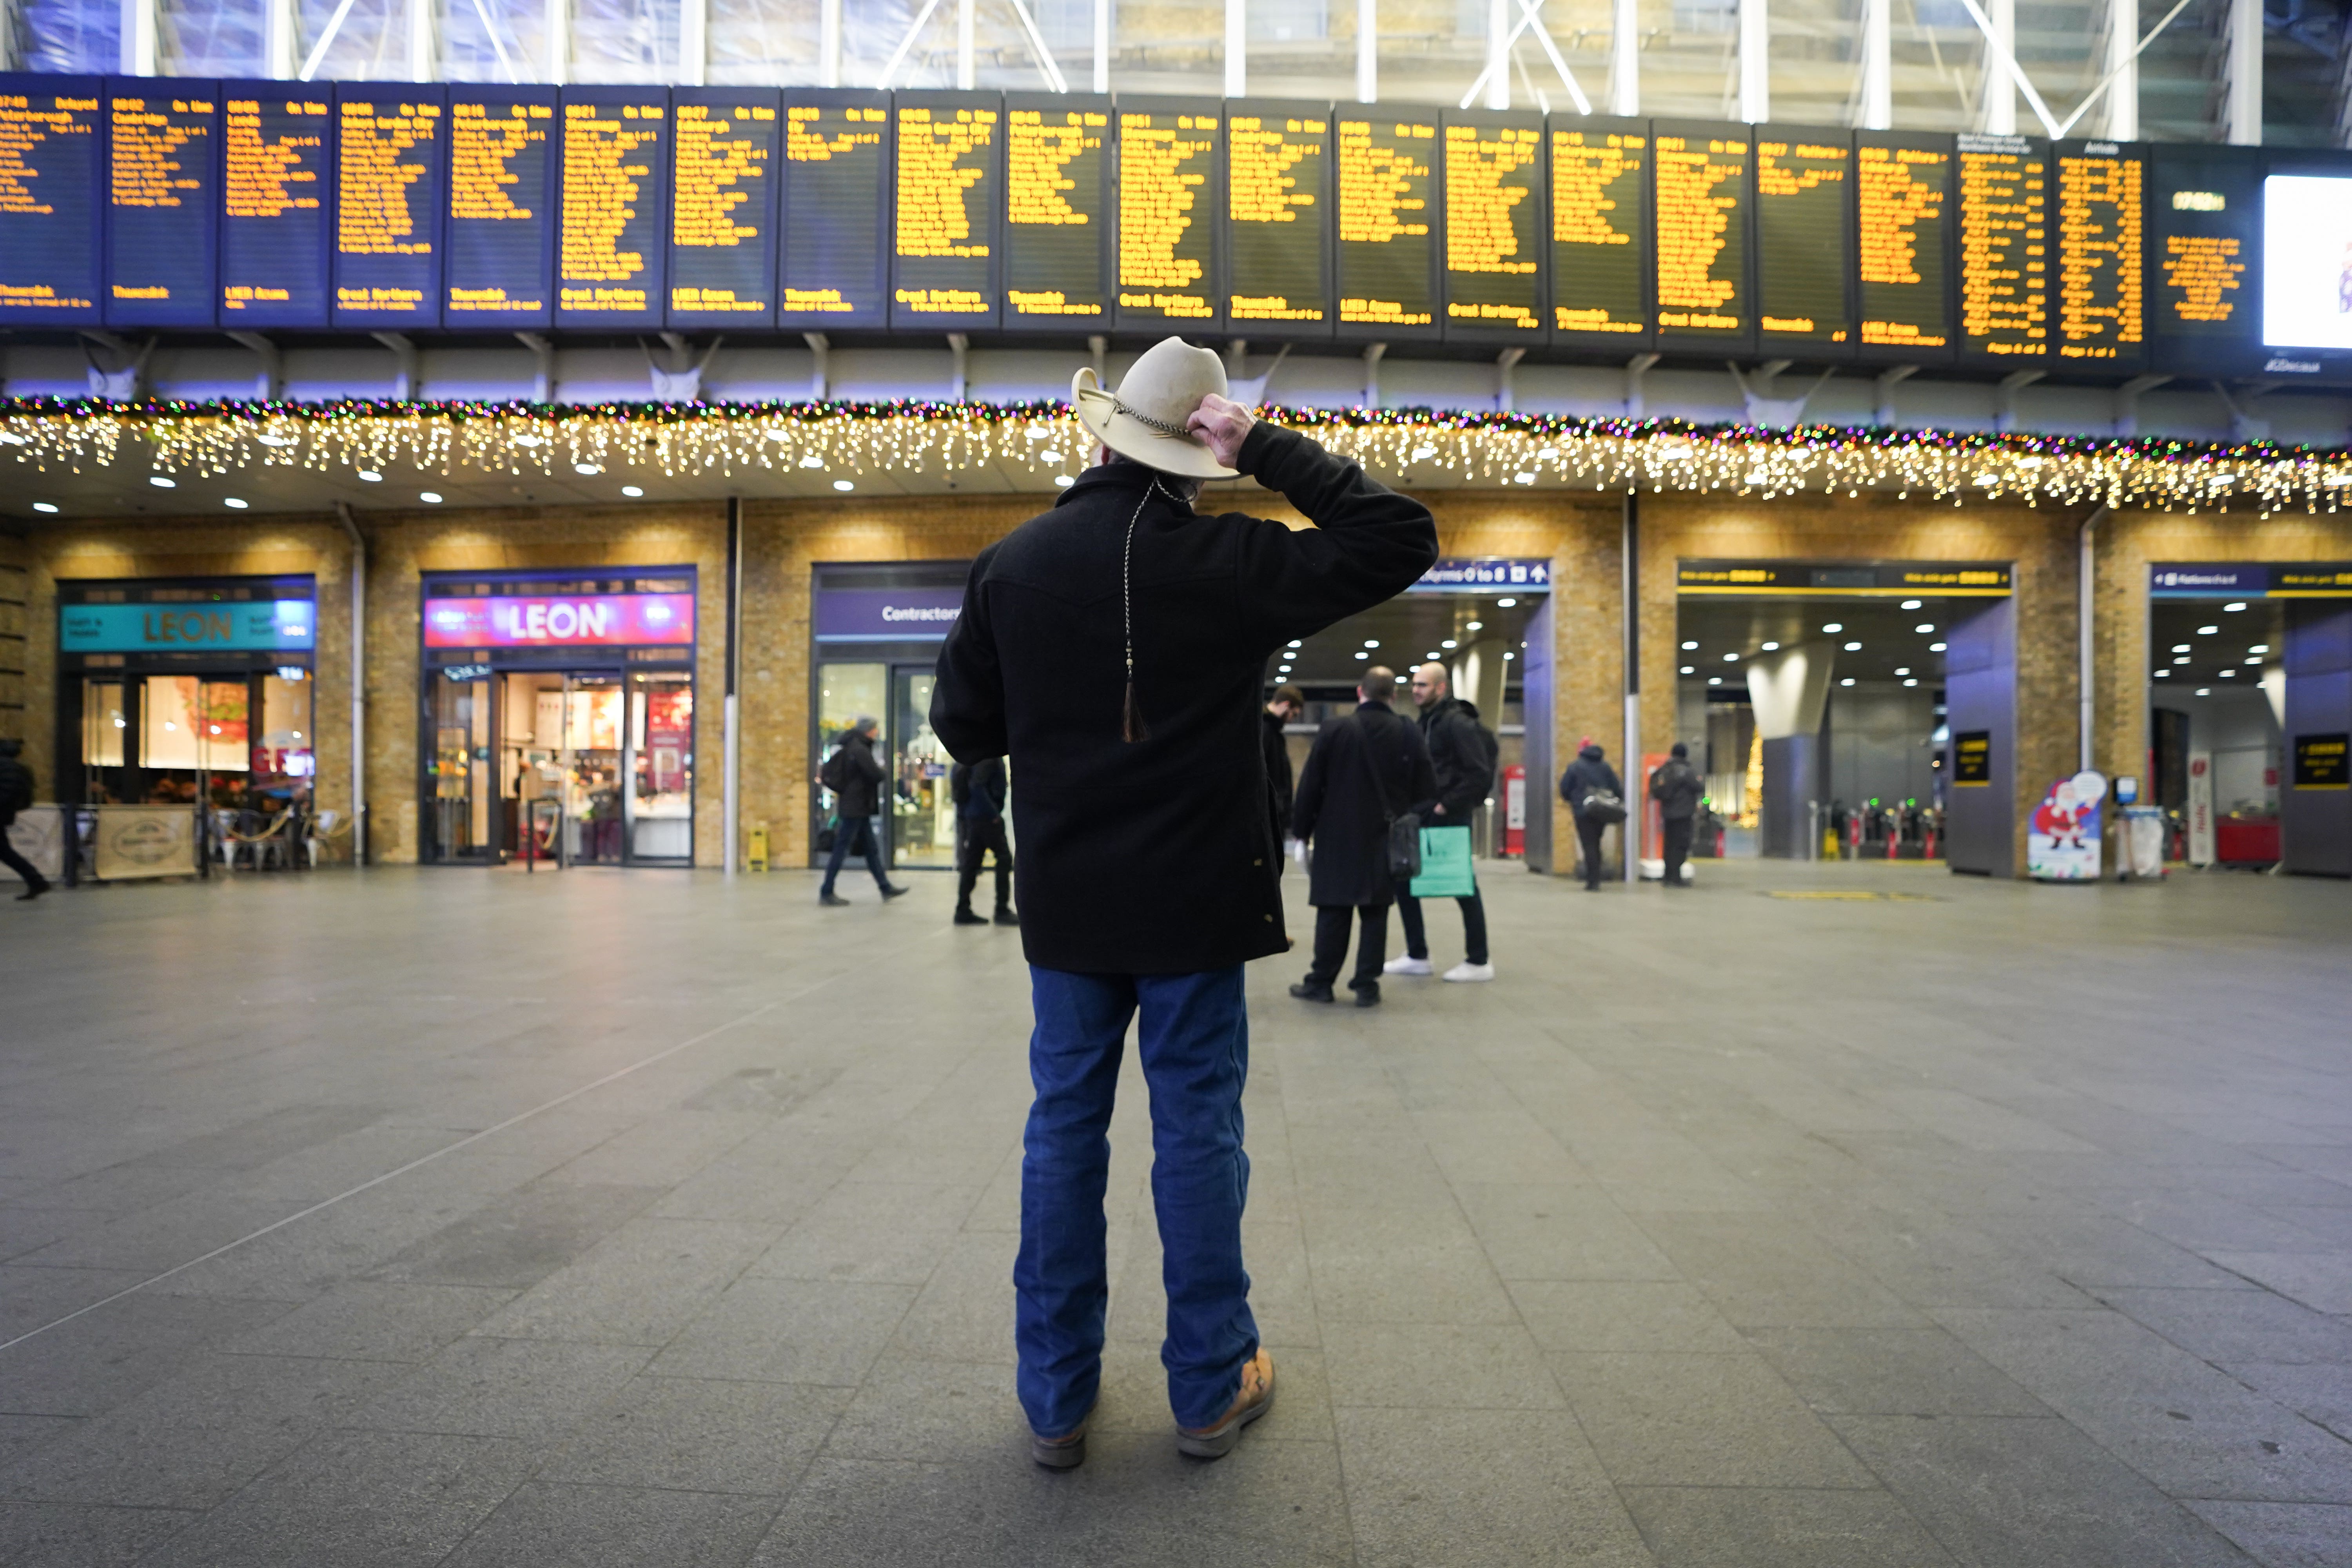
{"points": [[1445, 865]]}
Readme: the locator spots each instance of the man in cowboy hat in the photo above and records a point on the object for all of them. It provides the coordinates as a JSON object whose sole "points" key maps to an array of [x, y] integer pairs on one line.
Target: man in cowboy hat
{"points": [[1116, 648]]}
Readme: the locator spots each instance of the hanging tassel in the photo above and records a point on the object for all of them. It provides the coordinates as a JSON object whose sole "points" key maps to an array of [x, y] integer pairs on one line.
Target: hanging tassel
{"points": [[1132, 727]]}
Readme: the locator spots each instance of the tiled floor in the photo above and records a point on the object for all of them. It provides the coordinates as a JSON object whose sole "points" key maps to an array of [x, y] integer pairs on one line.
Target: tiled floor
{"points": [[619, 1218]]}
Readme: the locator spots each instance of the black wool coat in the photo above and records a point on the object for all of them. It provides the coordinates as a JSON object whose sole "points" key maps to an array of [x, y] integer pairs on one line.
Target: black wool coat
{"points": [[860, 793], [1158, 856], [1278, 772], [1339, 807], [1463, 754]]}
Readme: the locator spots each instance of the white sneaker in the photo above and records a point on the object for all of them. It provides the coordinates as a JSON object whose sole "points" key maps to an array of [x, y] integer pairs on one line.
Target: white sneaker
{"points": [[1405, 963], [1468, 971]]}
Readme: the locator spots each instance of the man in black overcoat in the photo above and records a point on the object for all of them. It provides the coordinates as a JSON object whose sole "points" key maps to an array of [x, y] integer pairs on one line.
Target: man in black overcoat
{"points": [[1366, 767], [1115, 648]]}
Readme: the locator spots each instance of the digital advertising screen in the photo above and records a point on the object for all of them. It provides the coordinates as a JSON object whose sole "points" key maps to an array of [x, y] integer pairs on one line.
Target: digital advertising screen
{"points": [[1601, 257], [501, 235], [1390, 174], [835, 223], [1494, 226], [1278, 205], [1804, 239], [2005, 248], [2204, 233], [391, 184], [52, 156], [278, 182], [1903, 247], [2102, 251], [1060, 196], [163, 258], [946, 267], [2306, 264], [611, 244], [728, 147], [1703, 192], [1172, 179]]}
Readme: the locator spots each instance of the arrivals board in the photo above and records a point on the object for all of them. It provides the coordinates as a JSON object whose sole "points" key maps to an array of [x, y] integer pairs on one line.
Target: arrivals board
{"points": [[1601, 267], [277, 181], [52, 159], [727, 143], [1278, 205], [1804, 239], [500, 240], [2100, 222], [1494, 226], [2004, 246], [162, 257], [2204, 230], [612, 246], [946, 268], [1390, 174], [1903, 247], [1060, 192], [392, 145], [1171, 182], [1702, 186], [833, 272]]}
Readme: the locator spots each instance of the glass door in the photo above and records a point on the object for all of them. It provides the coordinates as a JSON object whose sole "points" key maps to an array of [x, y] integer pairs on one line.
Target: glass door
{"points": [[661, 766], [845, 692], [920, 806], [459, 771], [589, 757]]}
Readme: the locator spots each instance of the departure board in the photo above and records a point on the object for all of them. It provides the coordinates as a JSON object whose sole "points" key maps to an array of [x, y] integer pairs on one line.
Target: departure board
{"points": [[1171, 177], [1703, 177], [2101, 224], [278, 177], [1390, 174], [1601, 255], [835, 225], [1494, 234], [946, 269], [162, 200], [2004, 246], [1804, 239], [1278, 207], [1903, 239], [390, 173], [612, 246], [2204, 231], [1059, 195], [722, 206], [502, 237], [50, 215]]}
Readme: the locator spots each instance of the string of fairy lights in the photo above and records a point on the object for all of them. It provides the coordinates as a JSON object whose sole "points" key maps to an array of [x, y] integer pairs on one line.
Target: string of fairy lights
{"points": [[1043, 442]]}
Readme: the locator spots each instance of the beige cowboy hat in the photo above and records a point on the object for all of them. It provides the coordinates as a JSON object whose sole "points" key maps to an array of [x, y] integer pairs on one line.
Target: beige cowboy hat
{"points": [[1144, 419]]}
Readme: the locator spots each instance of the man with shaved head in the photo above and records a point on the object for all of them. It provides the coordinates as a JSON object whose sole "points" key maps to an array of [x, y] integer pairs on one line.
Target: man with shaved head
{"points": [[1462, 754]]}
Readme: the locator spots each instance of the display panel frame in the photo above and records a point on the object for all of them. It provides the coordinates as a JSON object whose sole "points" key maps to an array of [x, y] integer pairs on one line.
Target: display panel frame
{"points": [[1941, 287], [2128, 337], [471, 247], [2018, 349], [1740, 230], [1204, 230], [1239, 281], [800, 210], [71, 248], [2233, 176], [245, 276], [703, 267], [982, 213], [1772, 276], [1359, 268], [1529, 219], [1028, 246], [399, 277], [2307, 364], [585, 301], [169, 233], [1640, 244]]}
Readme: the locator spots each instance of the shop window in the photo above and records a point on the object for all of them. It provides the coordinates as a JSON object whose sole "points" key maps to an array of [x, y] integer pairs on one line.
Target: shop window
{"points": [[191, 722], [662, 785], [103, 723], [285, 749]]}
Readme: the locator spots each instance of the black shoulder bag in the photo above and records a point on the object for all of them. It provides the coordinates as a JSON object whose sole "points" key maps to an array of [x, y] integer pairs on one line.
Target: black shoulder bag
{"points": [[1404, 826]]}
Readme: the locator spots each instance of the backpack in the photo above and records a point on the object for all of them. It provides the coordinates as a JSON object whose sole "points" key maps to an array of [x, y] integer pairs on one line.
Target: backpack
{"points": [[16, 787], [835, 773]]}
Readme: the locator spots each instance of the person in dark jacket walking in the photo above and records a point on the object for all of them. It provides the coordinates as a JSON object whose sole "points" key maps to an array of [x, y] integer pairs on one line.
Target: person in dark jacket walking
{"points": [[1288, 703], [1461, 753], [16, 795], [1116, 648], [856, 779], [979, 791], [1366, 767], [1588, 775], [1676, 787]]}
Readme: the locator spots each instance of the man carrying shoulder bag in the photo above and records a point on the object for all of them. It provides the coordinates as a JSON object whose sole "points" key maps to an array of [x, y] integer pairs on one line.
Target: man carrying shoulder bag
{"points": [[1364, 771], [1596, 801]]}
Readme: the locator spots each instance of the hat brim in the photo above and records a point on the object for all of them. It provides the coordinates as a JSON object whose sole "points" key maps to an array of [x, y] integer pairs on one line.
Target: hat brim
{"points": [[1099, 412]]}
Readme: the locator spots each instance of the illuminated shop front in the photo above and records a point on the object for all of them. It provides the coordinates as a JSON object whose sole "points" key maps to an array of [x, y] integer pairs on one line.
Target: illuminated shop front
{"points": [[558, 713]]}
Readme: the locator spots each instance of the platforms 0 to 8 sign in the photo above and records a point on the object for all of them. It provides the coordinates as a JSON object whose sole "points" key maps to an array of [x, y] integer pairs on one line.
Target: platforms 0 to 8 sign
{"points": [[1171, 184], [1057, 212], [1279, 207], [50, 211]]}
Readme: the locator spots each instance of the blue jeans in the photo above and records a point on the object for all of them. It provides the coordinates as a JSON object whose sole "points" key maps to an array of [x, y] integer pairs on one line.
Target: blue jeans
{"points": [[1194, 1044], [848, 831]]}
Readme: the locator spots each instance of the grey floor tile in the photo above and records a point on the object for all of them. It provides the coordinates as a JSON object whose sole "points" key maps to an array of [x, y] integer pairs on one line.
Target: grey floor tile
{"points": [[1758, 1527], [96, 1361], [991, 1510], [1401, 1266], [544, 1525], [792, 1331], [374, 1320], [73, 1535], [1560, 1232], [1480, 1487], [933, 1411], [2322, 1393], [20, 1434], [2320, 1280], [2223, 1326], [1464, 1366], [1611, 1315], [638, 1286], [964, 1311], [873, 1232], [520, 1239], [699, 1435], [1701, 1421], [1765, 1275], [533, 1389], [2284, 1534], [1891, 1371]]}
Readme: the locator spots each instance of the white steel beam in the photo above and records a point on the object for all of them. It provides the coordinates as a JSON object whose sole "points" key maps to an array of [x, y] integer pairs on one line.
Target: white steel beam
{"points": [[693, 42], [2123, 70], [1998, 112], [277, 38], [1499, 34], [139, 32], [423, 56], [1874, 111], [1368, 50], [2242, 123], [1102, 44], [1625, 58], [828, 42], [1046, 60], [1755, 62], [967, 45], [1236, 48], [558, 41]]}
